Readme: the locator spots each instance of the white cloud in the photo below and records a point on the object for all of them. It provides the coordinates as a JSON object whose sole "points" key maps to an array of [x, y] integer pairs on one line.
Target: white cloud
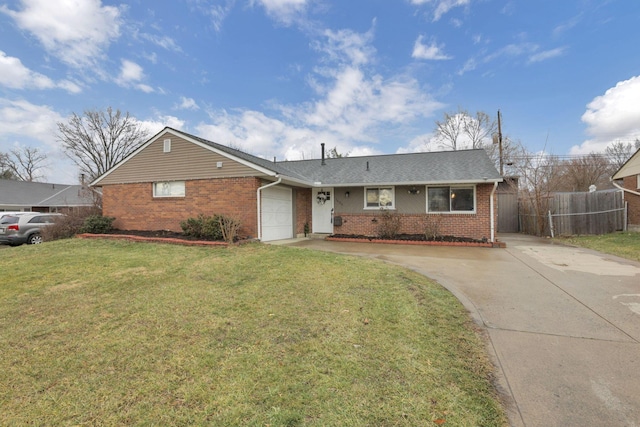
{"points": [[284, 11], [155, 125], [131, 75], [76, 32], [441, 6], [612, 116], [547, 54], [430, 52], [187, 104], [346, 46], [14, 75], [419, 144], [164, 42], [512, 51], [26, 120]]}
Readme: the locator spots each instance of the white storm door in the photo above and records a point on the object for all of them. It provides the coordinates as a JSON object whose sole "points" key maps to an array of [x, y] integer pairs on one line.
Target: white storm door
{"points": [[322, 211]]}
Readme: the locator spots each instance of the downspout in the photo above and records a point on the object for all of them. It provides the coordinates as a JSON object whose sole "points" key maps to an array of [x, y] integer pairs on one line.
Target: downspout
{"points": [[491, 209], [259, 207]]}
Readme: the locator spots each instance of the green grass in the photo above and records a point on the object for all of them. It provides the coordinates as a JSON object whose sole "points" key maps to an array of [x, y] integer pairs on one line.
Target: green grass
{"points": [[622, 244], [119, 333]]}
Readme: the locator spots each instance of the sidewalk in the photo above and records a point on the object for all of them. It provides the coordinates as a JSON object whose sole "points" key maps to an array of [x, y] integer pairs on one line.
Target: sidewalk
{"points": [[563, 323]]}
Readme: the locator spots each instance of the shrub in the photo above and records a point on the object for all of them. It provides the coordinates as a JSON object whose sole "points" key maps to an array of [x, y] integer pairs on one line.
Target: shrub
{"points": [[203, 227], [389, 225], [65, 227], [97, 224], [432, 227], [229, 227]]}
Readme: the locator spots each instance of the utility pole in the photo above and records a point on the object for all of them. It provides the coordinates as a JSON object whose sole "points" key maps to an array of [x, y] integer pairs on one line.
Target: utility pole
{"points": [[500, 144]]}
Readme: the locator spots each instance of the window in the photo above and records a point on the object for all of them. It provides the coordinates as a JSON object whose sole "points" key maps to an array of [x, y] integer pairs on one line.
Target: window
{"points": [[638, 181], [451, 199], [167, 146], [168, 189], [380, 197]]}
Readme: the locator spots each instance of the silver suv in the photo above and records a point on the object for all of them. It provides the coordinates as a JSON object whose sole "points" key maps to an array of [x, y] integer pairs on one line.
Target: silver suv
{"points": [[16, 230]]}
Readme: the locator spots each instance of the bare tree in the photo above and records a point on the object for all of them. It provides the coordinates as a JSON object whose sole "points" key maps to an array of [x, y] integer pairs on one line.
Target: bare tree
{"points": [[539, 177], [22, 164], [619, 152], [578, 174], [463, 128], [98, 140], [334, 154], [449, 130], [479, 128]]}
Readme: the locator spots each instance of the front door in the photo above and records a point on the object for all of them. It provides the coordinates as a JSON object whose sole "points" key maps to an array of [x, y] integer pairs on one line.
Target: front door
{"points": [[322, 211]]}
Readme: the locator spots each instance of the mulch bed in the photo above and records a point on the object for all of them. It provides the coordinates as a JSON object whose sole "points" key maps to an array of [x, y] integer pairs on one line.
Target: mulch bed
{"points": [[417, 239]]}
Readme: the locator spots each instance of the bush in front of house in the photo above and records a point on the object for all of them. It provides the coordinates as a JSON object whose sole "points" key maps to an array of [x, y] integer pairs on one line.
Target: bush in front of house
{"points": [[203, 227], [216, 227], [389, 224], [97, 224], [65, 227]]}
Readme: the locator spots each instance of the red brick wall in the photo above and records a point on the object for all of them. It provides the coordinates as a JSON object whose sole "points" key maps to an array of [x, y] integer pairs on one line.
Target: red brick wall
{"points": [[135, 208], [476, 226], [303, 209], [633, 216]]}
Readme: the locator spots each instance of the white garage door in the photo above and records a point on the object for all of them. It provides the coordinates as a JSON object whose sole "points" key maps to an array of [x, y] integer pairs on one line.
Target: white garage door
{"points": [[277, 214]]}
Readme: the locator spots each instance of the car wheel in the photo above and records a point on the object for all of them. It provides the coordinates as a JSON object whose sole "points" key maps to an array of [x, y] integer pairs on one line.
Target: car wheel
{"points": [[34, 239]]}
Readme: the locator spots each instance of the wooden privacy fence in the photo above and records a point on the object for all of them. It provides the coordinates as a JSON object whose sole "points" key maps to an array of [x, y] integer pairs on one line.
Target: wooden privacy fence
{"points": [[599, 212]]}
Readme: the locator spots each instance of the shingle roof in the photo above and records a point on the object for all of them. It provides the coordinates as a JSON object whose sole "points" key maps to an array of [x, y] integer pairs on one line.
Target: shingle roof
{"points": [[414, 168], [31, 194], [462, 166]]}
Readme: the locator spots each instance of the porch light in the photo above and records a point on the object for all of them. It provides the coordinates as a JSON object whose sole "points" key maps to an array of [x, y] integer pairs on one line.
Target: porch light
{"points": [[413, 191], [346, 194]]}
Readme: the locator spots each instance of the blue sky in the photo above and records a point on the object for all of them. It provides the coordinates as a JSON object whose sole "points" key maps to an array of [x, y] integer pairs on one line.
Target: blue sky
{"points": [[278, 77]]}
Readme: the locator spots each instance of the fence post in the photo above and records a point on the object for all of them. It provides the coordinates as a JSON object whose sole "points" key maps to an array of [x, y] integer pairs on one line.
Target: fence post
{"points": [[624, 218], [551, 225]]}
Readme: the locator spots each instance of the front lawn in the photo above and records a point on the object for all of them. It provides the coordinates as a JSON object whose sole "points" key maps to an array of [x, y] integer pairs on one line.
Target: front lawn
{"points": [[99, 332], [622, 244]]}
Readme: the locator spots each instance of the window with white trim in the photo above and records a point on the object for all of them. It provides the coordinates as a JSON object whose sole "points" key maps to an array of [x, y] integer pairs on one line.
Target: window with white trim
{"points": [[379, 197], [451, 199], [638, 181], [168, 189], [166, 148]]}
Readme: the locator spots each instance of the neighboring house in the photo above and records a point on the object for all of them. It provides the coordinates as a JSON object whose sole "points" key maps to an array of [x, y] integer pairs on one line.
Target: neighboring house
{"points": [[43, 197], [629, 173], [174, 176]]}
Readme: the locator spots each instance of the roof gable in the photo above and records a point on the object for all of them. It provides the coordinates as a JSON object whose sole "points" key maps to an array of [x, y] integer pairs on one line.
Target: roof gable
{"points": [[630, 167], [244, 159]]}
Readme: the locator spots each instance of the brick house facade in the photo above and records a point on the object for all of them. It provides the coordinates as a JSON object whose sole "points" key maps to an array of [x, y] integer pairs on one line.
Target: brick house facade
{"points": [[175, 176]]}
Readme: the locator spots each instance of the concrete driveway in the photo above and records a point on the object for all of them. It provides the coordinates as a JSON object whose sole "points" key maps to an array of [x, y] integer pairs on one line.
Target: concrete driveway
{"points": [[563, 323]]}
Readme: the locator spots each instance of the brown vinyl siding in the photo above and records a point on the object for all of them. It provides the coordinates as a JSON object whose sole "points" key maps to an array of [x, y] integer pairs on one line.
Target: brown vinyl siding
{"points": [[186, 161]]}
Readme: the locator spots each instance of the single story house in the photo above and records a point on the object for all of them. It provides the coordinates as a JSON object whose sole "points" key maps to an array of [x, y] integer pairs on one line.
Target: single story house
{"points": [[175, 176], [43, 197], [629, 173]]}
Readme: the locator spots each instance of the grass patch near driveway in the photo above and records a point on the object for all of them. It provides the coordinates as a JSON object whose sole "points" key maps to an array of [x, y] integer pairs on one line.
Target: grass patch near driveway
{"points": [[622, 244], [117, 333]]}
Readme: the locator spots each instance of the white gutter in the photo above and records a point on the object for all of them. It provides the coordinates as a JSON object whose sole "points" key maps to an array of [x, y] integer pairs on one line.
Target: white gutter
{"points": [[491, 209], [615, 184], [259, 208]]}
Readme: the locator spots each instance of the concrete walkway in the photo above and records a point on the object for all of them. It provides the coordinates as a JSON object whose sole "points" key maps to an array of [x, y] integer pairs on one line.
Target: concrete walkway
{"points": [[563, 324]]}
